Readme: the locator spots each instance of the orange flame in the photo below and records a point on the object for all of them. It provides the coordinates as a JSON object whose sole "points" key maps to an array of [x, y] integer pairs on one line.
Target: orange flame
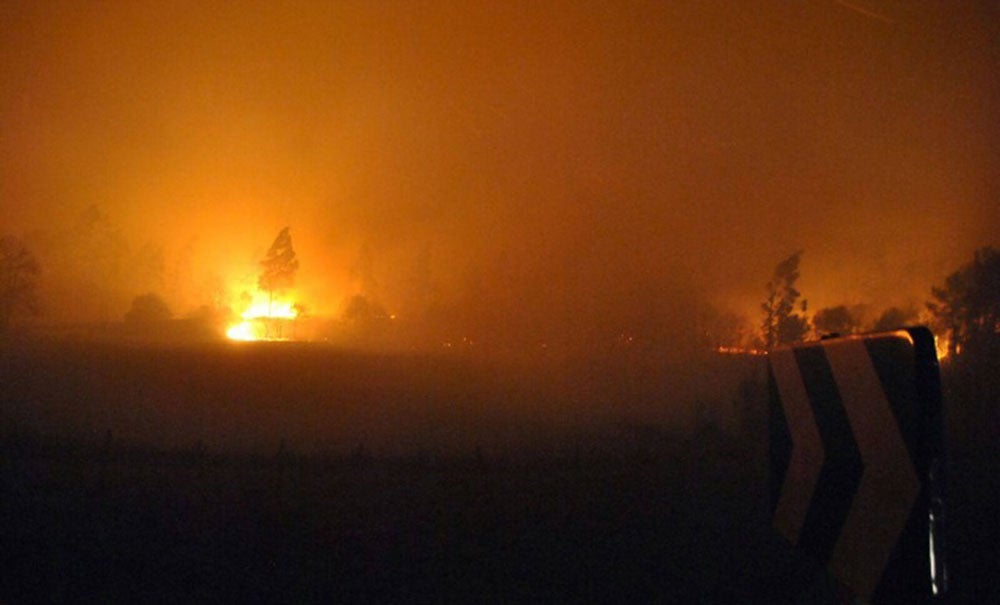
{"points": [[262, 312]]}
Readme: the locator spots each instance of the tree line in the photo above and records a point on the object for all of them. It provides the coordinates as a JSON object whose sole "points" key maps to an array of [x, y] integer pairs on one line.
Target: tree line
{"points": [[964, 310]]}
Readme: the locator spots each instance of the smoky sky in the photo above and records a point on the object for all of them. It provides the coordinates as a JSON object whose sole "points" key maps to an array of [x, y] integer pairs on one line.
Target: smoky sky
{"points": [[571, 159]]}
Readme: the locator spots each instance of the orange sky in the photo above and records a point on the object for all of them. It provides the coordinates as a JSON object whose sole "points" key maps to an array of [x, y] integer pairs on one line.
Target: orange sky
{"points": [[581, 159]]}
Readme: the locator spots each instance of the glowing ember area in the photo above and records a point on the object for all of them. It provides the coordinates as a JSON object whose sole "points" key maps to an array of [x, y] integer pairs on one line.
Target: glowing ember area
{"points": [[264, 319], [739, 351]]}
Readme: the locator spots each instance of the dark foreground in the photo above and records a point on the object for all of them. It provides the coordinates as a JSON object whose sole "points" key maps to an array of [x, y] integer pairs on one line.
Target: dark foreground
{"points": [[191, 527], [641, 512]]}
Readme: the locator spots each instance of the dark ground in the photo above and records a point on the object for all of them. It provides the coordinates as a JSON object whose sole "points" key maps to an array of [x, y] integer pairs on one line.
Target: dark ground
{"points": [[202, 474]]}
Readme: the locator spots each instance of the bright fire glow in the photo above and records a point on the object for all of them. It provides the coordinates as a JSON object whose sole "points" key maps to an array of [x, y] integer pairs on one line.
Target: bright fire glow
{"points": [[242, 331], [275, 309], [262, 319], [941, 344]]}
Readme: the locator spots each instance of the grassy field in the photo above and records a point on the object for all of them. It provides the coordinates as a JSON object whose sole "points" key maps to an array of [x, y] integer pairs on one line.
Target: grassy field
{"points": [[304, 473]]}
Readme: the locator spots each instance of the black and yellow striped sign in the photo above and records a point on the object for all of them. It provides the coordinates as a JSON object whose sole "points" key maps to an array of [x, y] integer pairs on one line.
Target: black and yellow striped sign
{"points": [[856, 455]]}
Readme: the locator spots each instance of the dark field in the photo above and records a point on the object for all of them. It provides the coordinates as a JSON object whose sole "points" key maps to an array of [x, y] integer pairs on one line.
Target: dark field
{"points": [[300, 473]]}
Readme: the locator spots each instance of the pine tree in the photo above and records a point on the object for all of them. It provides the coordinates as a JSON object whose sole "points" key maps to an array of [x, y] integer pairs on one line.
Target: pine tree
{"points": [[279, 267], [781, 323]]}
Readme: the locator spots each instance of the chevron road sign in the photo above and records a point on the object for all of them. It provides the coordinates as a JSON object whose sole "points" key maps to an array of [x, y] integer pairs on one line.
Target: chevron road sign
{"points": [[856, 461]]}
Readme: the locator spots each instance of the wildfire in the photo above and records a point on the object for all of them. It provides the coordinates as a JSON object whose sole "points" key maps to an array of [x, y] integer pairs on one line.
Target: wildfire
{"points": [[263, 319]]}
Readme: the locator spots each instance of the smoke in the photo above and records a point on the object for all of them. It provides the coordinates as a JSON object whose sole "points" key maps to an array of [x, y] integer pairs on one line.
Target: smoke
{"points": [[572, 171]]}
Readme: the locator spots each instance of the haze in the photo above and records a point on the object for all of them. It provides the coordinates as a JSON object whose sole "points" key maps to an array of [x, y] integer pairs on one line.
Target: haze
{"points": [[550, 167]]}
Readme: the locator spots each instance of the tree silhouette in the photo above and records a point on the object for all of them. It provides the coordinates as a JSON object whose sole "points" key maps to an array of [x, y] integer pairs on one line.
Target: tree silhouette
{"points": [[92, 261], [894, 317], [18, 281], [149, 307], [967, 306], [361, 309], [837, 320], [421, 289], [363, 271], [781, 323], [279, 267]]}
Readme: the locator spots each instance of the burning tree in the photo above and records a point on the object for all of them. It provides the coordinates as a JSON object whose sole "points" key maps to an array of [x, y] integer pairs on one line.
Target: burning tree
{"points": [[279, 266], [278, 275]]}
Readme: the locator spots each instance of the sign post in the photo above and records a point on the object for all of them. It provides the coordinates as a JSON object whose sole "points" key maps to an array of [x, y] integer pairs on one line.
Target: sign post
{"points": [[856, 448]]}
